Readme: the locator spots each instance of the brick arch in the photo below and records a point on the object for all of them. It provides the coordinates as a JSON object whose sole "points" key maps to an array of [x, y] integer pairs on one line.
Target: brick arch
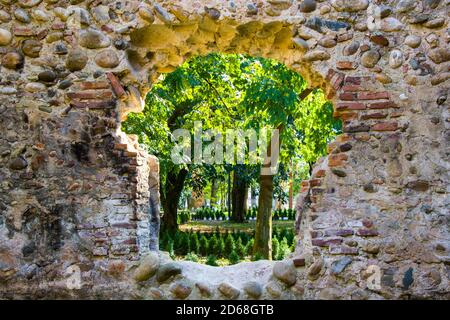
{"points": [[72, 73]]}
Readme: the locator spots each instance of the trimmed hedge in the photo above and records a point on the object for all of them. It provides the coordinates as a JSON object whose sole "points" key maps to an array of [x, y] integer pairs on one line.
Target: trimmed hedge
{"points": [[234, 246], [210, 213]]}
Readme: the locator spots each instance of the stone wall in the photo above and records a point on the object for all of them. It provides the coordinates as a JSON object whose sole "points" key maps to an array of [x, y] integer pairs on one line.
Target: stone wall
{"points": [[76, 191]]}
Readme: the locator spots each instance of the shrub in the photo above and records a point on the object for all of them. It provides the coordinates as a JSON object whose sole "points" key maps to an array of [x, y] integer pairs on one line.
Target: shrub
{"points": [[249, 247], [194, 243], [275, 248], [169, 248], [204, 246], [191, 256], [212, 245], [184, 244], [233, 257], [220, 248], [240, 248], [257, 257], [230, 246], [212, 260], [284, 249]]}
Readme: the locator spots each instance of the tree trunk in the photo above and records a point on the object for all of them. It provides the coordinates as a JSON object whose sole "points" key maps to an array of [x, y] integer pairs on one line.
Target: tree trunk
{"points": [[170, 197], [263, 235], [238, 198], [229, 195], [291, 187], [214, 189]]}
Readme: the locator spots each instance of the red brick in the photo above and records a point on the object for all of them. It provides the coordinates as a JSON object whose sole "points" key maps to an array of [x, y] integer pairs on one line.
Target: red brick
{"points": [[348, 115], [346, 65], [335, 160], [305, 183], [89, 85], [315, 182], [130, 154], [320, 173], [58, 26], [338, 232], [367, 232], [345, 250], [90, 94], [299, 262], [325, 242], [376, 115], [120, 146], [356, 80], [385, 126], [367, 223], [382, 105], [104, 104], [373, 95], [124, 225], [24, 31], [348, 96], [353, 128], [352, 88], [115, 83], [351, 106]]}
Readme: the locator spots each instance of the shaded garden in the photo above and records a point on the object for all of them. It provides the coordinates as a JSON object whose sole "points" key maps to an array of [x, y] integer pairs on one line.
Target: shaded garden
{"points": [[232, 92]]}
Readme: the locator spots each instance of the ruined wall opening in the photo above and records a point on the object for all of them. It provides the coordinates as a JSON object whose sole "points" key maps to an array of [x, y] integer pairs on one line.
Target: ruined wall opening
{"points": [[76, 191], [229, 106]]}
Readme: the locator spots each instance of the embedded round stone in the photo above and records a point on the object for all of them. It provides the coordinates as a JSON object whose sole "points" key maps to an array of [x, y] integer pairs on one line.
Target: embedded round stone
{"points": [[101, 14], [107, 59], [34, 87], [439, 55], [300, 43], [370, 58], [31, 48], [307, 6], [317, 55], [76, 60], [167, 271], [350, 5], [391, 24], [22, 16], [253, 289], [351, 48], [40, 15], [47, 76], [12, 60], [327, 42], [413, 41], [5, 37], [181, 289], [146, 14], [29, 3], [395, 59], [147, 267], [93, 39], [285, 272], [18, 163], [229, 291]]}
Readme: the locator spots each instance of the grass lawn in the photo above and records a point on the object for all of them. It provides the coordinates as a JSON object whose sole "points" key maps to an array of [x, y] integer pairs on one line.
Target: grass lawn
{"points": [[209, 226]]}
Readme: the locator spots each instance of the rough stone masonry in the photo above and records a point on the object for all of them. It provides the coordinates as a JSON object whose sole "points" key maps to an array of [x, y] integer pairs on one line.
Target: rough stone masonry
{"points": [[78, 194]]}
